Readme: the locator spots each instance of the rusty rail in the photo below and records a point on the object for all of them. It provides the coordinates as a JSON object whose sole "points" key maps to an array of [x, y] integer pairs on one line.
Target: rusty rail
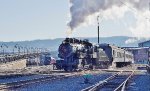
{"points": [[90, 88], [121, 87]]}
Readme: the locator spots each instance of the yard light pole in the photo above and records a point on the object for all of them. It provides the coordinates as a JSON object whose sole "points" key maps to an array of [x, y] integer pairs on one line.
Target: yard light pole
{"points": [[19, 48], [3, 46], [32, 50], [26, 50]]}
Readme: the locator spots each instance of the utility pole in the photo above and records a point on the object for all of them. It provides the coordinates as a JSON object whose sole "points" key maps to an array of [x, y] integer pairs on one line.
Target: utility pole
{"points": [[98, 27], [4, 51], [149, 47], [19, 48], [149, 56]]}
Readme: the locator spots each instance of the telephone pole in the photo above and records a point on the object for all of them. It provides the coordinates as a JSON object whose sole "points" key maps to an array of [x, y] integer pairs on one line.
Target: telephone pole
{"points": [[149, 47]]}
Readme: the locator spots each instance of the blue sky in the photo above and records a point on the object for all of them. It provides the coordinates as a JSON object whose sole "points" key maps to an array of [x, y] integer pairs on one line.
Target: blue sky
{"points": [[45, 19]]}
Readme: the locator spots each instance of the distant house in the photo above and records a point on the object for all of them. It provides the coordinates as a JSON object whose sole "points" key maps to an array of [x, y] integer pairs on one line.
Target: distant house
{"points": [[144, 44]]}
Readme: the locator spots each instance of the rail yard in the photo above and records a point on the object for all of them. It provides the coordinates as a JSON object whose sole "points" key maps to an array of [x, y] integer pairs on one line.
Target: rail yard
{"points": [[81, 66], [74, 45], [99, 80]]}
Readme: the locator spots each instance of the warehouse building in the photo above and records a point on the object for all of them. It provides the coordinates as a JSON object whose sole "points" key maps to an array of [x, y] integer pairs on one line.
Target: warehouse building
{"points": [[144, 44], [141, 54]]}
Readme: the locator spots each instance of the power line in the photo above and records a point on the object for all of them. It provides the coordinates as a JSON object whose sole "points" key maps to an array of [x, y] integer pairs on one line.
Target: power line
{"points": [[149, 5], [134, 10]]}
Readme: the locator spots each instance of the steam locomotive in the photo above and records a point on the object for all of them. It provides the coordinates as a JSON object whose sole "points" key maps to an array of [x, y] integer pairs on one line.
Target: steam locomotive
{"points": [[80, 54]]}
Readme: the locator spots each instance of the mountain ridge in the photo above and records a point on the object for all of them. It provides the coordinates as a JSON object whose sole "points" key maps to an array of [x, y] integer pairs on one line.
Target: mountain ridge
{"points": [[53, 44]]}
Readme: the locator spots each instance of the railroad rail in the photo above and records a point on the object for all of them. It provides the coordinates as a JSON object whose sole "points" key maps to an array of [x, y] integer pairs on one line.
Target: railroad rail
{"points": [[116, 82], [20, 83], [148, 68]]}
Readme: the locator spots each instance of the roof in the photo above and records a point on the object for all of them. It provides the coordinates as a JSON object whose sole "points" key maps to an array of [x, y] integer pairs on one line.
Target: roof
{"points": [[109, 45], [136, 48], [144, 42]]}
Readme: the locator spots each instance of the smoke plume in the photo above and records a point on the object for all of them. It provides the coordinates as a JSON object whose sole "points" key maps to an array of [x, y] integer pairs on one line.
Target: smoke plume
{"points": [[81, 10]]}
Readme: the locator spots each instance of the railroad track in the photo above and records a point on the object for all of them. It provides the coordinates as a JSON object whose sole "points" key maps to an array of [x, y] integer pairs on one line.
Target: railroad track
{"points": [[20, 83], [116, 82]]}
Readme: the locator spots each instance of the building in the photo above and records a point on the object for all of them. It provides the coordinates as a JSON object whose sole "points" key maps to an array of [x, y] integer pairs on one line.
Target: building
{"points": [[141, 54], [46, 59], [144, 44]]}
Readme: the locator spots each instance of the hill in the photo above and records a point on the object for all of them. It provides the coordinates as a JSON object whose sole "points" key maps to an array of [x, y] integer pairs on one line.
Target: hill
{"points": [[53, 44]]}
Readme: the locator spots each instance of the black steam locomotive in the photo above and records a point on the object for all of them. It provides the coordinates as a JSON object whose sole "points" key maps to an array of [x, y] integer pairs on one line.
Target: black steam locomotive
{"points": [[78, 54]]}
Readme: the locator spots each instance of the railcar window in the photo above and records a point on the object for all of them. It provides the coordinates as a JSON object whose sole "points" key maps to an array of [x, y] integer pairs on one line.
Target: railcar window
{"points": [[126, 55], [118, 54], [113, 52], [122, 55]]}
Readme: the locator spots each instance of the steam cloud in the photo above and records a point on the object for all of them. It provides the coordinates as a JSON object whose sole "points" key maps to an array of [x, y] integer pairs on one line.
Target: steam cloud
{"points": [[81, 10]]}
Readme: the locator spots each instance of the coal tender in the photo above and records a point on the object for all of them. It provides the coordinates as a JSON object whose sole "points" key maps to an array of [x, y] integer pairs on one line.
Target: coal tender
{"points": [[80, 54]]}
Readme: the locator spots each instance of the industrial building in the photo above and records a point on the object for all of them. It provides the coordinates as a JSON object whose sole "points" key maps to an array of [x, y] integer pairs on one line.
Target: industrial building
{"points": [[144, 44], [141, 54]]}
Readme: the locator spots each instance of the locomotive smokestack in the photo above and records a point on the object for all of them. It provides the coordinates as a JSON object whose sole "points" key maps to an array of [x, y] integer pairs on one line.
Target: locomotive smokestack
{"points": [[98, 27]]}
